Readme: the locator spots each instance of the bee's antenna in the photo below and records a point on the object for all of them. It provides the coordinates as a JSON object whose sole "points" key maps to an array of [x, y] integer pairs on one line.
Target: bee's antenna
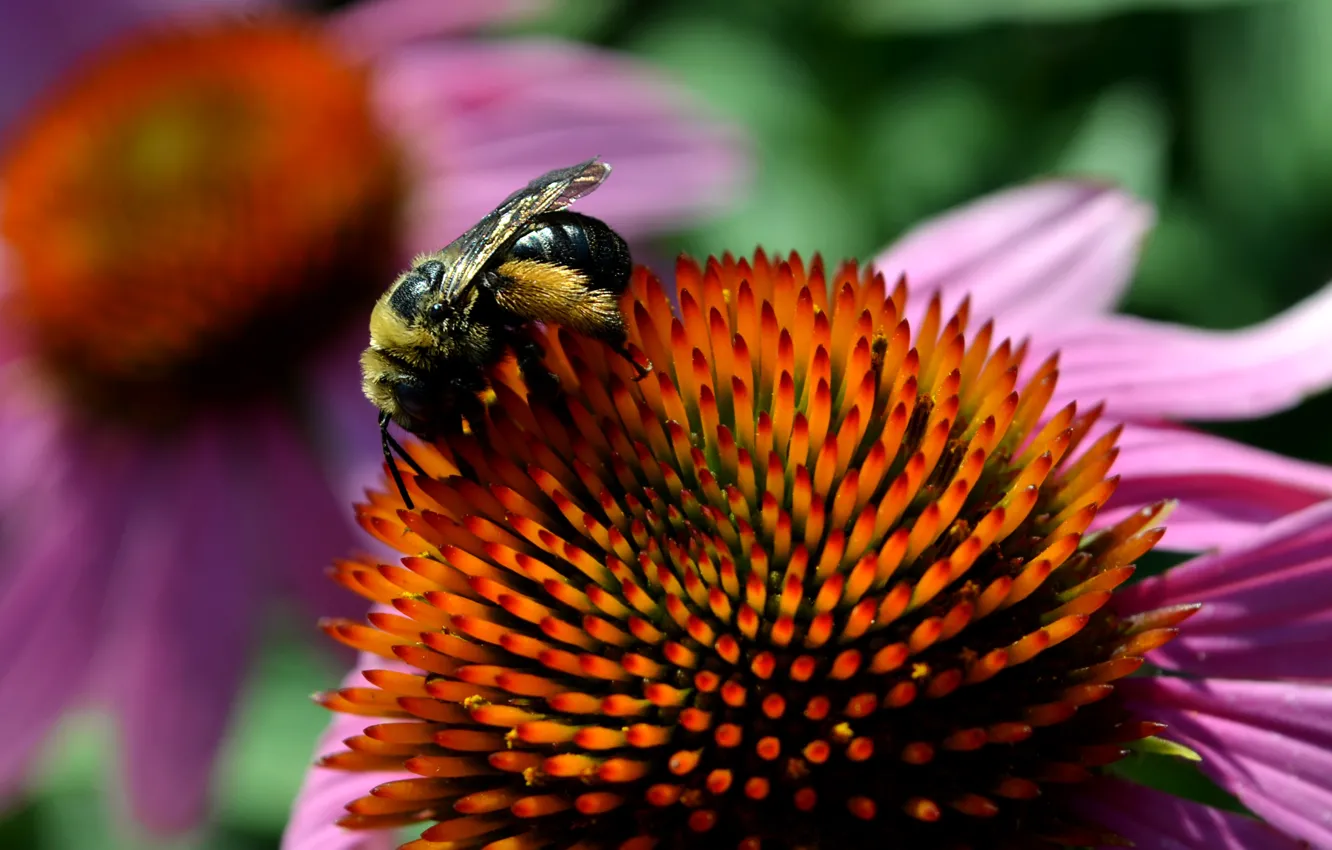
{"points": [[390, 446]]}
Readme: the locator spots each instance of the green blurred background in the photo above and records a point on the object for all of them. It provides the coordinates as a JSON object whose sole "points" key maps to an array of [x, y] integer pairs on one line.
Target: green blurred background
{"points": [[865, 116]]}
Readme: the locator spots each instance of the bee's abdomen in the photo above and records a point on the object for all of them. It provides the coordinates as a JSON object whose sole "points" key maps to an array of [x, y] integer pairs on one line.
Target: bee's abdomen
{"points": [[577, 242]]}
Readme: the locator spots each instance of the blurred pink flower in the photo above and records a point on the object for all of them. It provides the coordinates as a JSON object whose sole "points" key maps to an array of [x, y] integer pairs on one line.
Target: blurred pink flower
{"points": [[135, 559]]}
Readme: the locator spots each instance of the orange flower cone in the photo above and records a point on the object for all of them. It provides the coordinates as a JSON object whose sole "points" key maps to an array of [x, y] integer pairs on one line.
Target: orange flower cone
{"points": [[821, 580]]}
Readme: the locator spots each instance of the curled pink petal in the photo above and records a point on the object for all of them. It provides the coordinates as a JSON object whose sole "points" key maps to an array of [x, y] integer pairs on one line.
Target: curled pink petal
{"points": [[1145, 369], [1292, 543], [1266, 742], [1226, 491], [1048, 253], [1265, 611], [1290, 650], [1203, 522], [1300, 710]]}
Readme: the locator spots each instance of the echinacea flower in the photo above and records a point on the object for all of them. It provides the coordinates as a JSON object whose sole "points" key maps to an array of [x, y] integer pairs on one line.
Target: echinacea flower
{"points": [[195, 221], [824, 579]]}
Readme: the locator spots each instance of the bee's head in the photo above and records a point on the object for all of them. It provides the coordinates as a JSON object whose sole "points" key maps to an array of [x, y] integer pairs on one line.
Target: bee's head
{"points": [[416, 297], [412, 319], [400, 391]]}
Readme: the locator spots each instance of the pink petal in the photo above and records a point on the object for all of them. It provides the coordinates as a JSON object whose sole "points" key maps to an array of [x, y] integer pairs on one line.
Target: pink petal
{"points": [[64, 516], [1294, 650], [11, 341], [481, 120], [1267, 743], [1145, 369], [1226, 490], [1266, 611], [1290, 543], [40, 39], [185, 604], [1157, 821], [203, 8], [371, 27], [41, 43], [1202, 523], [1032, 257], [1298, 710], [325, 793], [34, 432], [342, 426], [308, 525]]}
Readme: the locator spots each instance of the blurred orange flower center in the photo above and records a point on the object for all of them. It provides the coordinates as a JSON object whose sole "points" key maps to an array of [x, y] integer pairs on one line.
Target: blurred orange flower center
{"points": [[185, 189]]}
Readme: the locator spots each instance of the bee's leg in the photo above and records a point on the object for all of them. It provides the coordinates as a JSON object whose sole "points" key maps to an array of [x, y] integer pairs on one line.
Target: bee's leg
{"points": [[541, 383], [619, 343]]}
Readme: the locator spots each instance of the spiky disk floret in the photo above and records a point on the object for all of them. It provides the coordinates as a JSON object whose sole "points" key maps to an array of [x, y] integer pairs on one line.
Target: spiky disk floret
{"points": [[820, 581]]}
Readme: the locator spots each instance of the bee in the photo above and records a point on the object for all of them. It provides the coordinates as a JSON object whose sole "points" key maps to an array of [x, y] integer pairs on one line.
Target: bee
{"points": [[460, 310]]}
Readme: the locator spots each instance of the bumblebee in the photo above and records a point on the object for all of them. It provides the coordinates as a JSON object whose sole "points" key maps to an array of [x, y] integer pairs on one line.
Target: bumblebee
{"points": [[460, 310]]}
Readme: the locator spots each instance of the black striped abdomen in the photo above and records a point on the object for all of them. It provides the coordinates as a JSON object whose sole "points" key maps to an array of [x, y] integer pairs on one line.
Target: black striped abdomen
{"points": [[577, 242]]}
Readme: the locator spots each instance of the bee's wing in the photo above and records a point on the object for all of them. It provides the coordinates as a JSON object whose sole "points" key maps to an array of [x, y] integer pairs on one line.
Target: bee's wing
{"points": [[554, 190]]}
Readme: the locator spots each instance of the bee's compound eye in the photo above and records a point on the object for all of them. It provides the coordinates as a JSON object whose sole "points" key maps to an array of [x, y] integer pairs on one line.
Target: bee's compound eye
{"points": [[437, 312], [414, 399]]}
